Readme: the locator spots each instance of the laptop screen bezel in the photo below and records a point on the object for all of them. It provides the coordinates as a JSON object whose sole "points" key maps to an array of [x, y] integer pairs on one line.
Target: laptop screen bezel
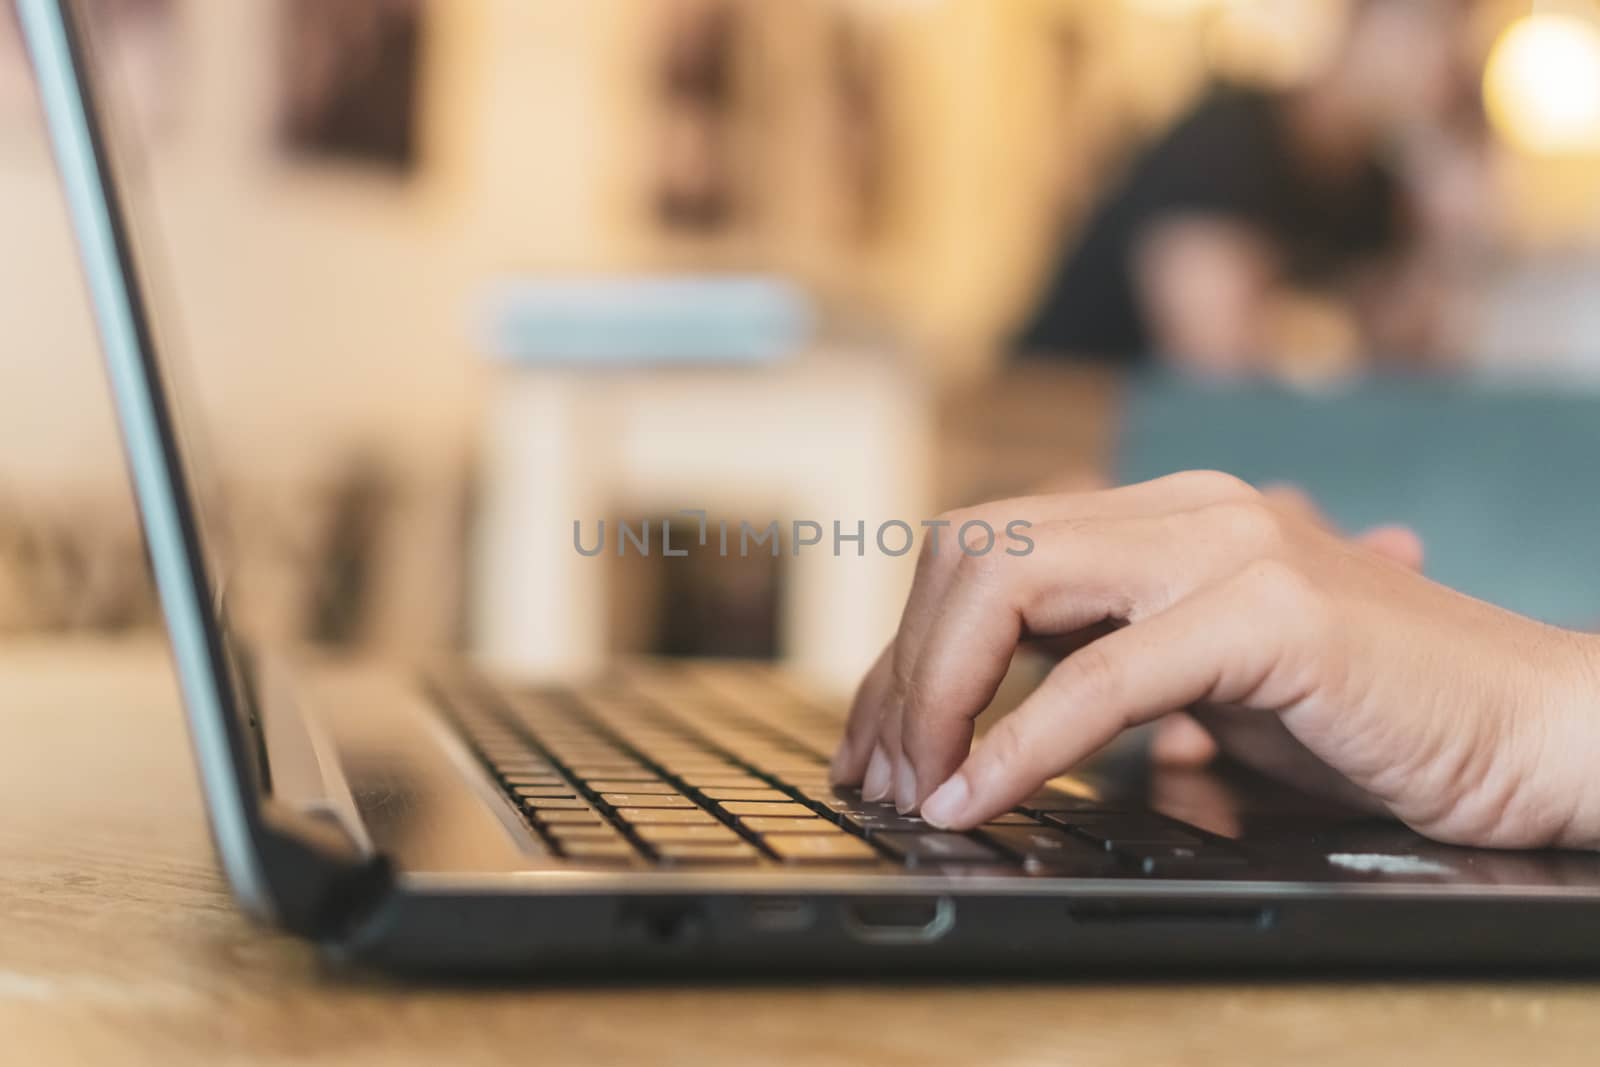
{"points": [[225, 742]]}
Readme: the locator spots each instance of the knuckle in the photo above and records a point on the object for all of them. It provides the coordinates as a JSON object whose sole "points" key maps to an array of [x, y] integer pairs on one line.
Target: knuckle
{"points": [[1217, 484], [1091, 675], [980, 568], [1251, 522]]}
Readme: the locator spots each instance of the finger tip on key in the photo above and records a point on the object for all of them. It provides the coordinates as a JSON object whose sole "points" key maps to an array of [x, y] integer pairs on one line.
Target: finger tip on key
{"points": [[876, 784], [948, 805]]}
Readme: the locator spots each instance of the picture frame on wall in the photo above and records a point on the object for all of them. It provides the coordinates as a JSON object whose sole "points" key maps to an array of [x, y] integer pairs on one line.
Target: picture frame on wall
{"points": [[350, 82]]}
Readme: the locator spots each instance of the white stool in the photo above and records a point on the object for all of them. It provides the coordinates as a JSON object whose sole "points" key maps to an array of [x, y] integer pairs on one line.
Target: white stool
{"points": [[832, 436]]}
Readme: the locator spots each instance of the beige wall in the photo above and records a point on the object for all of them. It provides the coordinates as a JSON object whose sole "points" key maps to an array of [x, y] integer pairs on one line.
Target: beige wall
{"points": [[321, 308]]}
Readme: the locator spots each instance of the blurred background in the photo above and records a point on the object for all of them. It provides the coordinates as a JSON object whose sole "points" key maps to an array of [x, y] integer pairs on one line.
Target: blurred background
{"points": [[445, 278]]}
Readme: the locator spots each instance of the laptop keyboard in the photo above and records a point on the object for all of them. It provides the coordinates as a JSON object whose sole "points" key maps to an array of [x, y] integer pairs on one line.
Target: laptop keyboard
{"points": [[627, 776]]}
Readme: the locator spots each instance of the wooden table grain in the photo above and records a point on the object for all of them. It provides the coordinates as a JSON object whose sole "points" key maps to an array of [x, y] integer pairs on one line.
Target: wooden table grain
{"points": [[119, 944]]}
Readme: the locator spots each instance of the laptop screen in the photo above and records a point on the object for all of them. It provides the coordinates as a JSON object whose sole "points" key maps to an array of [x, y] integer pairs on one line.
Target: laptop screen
{"points": [[103, 28], [96, 165]]}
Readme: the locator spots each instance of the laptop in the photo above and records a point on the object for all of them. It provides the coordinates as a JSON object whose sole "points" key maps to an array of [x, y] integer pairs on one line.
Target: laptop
{"points": [[676, 819]]}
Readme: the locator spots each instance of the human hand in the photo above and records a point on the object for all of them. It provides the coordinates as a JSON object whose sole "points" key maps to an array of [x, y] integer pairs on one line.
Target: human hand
{"points": [[1310, 656]]}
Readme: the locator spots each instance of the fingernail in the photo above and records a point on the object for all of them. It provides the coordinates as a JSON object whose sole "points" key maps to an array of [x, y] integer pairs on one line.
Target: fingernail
{"points": [[947, 803], [905, 787], [875, 786]]}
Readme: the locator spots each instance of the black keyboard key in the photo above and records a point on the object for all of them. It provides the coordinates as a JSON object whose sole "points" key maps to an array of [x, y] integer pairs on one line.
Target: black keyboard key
{"points": [[821, 848], [779, 825], [1118, 830], [569, 818], [1013, 818], [533, 779], [646, 800], [920, 849], [664, 816], [596, 851], [720, 793], [696, 852], [594, 831], [884, 824], [723, 780], [1197, 861], [687, 832], [543, 804], [1054, 800], [768, 809], [616, 772], [1043, 847], [849, 801], [627, 785]]}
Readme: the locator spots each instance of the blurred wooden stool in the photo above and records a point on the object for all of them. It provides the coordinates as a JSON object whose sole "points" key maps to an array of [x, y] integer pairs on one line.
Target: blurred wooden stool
{"points": [[833, 436]]}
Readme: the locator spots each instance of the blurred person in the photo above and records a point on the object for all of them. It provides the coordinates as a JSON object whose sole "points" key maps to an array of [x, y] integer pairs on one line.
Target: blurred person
{"points": [[1298, 225], [1331, 664]]}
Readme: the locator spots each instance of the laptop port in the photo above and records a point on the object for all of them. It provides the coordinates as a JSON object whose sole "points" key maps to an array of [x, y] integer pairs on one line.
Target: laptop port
{"points": [[665, 923], [899, 920], [781, 915]]}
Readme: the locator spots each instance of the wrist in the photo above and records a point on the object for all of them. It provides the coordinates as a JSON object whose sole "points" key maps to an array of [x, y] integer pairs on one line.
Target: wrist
{"points": [[1561, 791]]}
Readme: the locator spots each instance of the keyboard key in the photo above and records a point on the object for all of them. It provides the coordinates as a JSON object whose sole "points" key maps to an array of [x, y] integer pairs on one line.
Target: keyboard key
{"points": [[646, 800], [1013, 818], [549, 778], [596, 763], [687, 832], [781, 765], [613, 772], [570, 818], [546, 792], [625, 785], [1053, 800], [1118, 830], [850, 800], [788, 810], [760, 825], [603, 851], [918, 849], [687, 852], [542, 804], [717, 793], [829, 848], [694, 760], [882, 824], [1192, 860], [1045, 844], [530, 767], [728, 779], [663, 816], [583, 832]]}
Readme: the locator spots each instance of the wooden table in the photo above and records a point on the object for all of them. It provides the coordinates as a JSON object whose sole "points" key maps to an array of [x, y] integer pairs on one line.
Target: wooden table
{"points": [[119, 944]]}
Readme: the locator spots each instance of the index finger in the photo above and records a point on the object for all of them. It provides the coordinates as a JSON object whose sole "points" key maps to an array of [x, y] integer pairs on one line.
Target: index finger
{"points": [[1220, 645]]}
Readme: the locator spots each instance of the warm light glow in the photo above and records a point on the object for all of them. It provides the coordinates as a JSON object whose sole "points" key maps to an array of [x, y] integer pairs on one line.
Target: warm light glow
{"points": [[1542, 85], [1177, 8]]}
